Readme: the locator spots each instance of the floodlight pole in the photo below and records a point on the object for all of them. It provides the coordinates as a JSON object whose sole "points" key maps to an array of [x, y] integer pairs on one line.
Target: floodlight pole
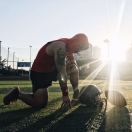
{"points": [[0, 53], [30, 60], [107, 42], [30, 54], [13, 59], [91, 47], [8, 56]]}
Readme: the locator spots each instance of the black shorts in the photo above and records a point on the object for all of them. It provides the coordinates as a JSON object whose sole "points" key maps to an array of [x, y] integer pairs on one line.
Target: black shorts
{"points": [[42, 80]]}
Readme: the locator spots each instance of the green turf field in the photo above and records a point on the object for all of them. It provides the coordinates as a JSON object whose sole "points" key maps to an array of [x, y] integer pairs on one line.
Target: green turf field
{"points": [[20, 117]]}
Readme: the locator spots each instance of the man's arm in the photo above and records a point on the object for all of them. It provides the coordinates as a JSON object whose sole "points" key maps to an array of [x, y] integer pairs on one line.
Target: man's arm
{"points": [[73, 71], [60, 56]]}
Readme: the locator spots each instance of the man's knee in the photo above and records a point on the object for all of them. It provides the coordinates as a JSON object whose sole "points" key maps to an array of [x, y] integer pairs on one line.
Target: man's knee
{"points": [[39, 104], [40, 98]]}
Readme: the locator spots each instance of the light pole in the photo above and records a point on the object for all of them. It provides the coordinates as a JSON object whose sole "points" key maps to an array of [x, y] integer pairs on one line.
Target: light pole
{"points": [[30, 55], [30, 60], [13, 59], [0, 53], [108, 47], [8, 56]]}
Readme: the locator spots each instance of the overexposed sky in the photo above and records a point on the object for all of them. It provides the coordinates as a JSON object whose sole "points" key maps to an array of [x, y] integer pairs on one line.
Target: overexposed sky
{"points": [[34, 22]]}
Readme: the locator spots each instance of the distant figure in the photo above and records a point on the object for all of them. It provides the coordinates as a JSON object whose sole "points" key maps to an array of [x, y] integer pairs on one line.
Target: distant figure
{"points": [[53, 62]]}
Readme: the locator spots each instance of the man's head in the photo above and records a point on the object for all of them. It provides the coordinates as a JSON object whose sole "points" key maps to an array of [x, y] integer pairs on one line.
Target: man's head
{"points": [[78, 43]]}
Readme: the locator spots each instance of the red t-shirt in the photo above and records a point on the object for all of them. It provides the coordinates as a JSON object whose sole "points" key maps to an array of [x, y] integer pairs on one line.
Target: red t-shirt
{"points": [[45, 63]]}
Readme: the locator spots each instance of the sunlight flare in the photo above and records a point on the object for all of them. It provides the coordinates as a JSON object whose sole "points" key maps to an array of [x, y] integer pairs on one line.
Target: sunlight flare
{"points": [[114, 51], [92, 76]]}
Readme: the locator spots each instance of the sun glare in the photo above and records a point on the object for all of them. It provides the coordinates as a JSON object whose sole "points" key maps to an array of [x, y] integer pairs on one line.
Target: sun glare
{"points": [[113, 51]]}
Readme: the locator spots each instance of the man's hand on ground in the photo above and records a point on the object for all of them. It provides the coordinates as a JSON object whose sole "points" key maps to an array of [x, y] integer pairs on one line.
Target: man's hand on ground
{"points": [[66, 102], [76, 93], [74, 102]]}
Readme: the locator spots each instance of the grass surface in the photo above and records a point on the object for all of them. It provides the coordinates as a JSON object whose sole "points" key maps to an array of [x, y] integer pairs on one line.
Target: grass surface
{"points": [[20, 117]]}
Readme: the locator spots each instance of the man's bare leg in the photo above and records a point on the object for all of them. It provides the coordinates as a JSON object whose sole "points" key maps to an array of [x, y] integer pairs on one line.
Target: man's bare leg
{"points": [[39, 98]]}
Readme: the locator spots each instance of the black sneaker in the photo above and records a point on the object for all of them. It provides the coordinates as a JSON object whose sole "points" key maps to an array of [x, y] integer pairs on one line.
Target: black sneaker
{"points": [[11, 96]]}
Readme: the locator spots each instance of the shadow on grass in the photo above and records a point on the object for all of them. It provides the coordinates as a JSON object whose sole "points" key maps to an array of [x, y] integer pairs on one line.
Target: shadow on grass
{"points": [[43, 122], [116, 120], [77, 120], [14, 116], [9, 117], [73, 122]]}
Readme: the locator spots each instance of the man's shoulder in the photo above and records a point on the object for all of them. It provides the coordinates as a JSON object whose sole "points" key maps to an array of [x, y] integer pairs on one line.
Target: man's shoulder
{"points": [[54, 46], [59, 45]]}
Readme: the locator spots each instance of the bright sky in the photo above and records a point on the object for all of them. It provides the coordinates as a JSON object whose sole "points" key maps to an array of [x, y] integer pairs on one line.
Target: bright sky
{"points": [[34, 22]]}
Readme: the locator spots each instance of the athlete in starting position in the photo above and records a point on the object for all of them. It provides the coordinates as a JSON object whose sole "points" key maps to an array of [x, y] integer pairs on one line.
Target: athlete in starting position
{"points": [[53, 62]]}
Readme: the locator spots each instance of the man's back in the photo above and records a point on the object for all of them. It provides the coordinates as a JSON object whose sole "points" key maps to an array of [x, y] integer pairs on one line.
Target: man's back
{"points": [[44, 61]]}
